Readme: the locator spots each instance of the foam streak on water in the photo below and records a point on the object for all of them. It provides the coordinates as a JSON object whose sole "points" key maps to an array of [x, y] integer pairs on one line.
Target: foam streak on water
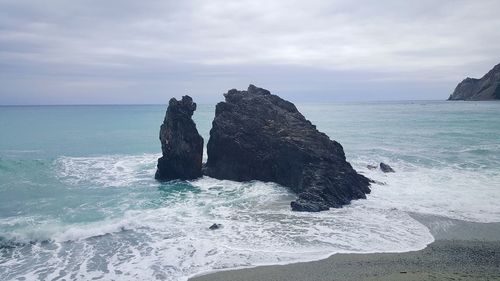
{"points": [[92, 209], [106, 171]]}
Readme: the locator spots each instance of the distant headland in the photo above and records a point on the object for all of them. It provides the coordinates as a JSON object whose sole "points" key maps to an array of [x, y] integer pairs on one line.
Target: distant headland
{"points": [[473, 89]]}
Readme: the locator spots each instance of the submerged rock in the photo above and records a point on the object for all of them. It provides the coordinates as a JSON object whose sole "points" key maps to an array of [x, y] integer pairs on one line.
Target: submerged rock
{"points": [[181, 145], [386, 168], [259, 136], [371, 167], [215, 226], [486, 88]]}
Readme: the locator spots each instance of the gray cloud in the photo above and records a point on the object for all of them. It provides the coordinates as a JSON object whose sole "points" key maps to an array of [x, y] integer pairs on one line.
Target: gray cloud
{"points": [[146, 52]]}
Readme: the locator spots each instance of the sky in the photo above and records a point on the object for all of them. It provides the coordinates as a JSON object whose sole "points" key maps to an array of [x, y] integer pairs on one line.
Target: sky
{"points": [[145, 52]]}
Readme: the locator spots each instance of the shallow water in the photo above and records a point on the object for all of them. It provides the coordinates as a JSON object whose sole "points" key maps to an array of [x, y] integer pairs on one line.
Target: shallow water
{"points": [[78, 199]]}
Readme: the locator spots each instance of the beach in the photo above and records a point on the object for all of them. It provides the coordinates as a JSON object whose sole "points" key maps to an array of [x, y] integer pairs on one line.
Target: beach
{"points": [[462, 251]]}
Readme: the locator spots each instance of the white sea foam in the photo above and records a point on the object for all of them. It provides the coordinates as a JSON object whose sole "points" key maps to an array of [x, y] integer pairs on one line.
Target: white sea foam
{"points": [[174, 242], [171, 241], [451, 191], [457, 192], [107, 170]]}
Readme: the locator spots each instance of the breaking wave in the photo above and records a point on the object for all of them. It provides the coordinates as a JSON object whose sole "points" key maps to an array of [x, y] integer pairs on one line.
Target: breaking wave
{"points": [[168, 238]]}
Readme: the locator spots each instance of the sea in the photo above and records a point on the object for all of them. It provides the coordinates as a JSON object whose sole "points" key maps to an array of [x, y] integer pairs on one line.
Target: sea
{"points": [[78, 198]]}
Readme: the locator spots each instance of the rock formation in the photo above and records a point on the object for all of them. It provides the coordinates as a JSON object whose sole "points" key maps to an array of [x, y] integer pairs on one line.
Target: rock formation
{"points": [[486, 88], [259, 136], [386, 168], [181, 145]]}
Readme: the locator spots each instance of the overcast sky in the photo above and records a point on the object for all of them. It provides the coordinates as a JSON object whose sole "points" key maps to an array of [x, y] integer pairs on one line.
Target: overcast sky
{"points": [[121, 51]]}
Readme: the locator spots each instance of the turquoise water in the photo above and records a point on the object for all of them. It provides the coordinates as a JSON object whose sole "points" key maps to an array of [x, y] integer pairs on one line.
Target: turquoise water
{"points": [[78, 199]]}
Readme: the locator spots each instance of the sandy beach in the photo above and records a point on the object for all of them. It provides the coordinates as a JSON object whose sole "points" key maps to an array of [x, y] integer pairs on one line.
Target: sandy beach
{"points": [[462, 251]]}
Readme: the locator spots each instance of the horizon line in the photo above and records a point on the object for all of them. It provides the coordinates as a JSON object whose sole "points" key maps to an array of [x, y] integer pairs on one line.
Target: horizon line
{"points": [[208, 103]]}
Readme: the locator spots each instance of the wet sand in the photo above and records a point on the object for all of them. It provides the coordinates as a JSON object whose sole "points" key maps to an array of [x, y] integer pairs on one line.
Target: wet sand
{"points": [[462, 251]]}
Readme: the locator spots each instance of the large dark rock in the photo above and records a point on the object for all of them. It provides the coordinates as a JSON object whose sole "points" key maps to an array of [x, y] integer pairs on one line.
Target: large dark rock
{"points": [[486, 88], [259, 136], [181, 145]]}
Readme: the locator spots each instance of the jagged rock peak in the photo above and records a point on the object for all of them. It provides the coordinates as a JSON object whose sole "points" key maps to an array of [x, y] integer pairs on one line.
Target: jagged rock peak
{"points": [[252, 90], [185, 106], [181, 144]]}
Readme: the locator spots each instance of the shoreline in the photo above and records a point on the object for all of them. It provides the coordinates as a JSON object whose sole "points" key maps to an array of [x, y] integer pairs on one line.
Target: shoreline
{"points": [[461, 250]]}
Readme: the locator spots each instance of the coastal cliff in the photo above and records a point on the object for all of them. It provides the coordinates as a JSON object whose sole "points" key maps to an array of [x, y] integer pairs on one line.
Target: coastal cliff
{"points": [[486, 88], [259, 136], [181, 144]]}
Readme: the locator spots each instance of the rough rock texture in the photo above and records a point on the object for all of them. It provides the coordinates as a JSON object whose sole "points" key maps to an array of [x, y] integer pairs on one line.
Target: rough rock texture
{"points": [[181, 145], [386, 168], [486, 88], [259, 136]]}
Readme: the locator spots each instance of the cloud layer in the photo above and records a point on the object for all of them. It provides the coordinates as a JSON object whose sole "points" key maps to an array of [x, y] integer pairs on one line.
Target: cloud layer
{"points": [[122, 51]]}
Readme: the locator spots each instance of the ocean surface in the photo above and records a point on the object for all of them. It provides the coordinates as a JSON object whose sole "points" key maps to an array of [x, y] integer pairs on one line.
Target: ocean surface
{"points": [[78, 200]]}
